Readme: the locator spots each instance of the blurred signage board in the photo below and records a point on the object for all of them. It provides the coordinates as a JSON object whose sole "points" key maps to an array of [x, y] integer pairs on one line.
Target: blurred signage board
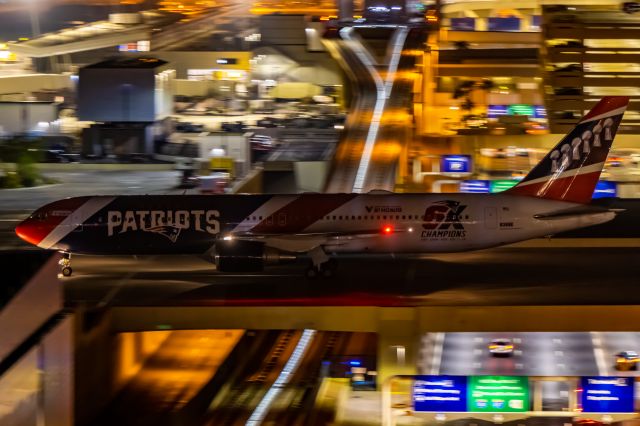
{"points": [[498, 394], [533, 111], [496, 111], [475, 186], [226, 61], [501, 185], [504, 24], [441, 394], [536, 21], [521, 109], [539, 111], [604, 189], [455, 164], [222, 163], [140, 46], [607, 394], [463, 24]]}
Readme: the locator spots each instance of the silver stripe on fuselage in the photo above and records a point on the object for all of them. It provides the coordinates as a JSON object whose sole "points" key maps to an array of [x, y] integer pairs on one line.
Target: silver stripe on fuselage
{"points": [[611, 113], [77, 217], [573, 172]]}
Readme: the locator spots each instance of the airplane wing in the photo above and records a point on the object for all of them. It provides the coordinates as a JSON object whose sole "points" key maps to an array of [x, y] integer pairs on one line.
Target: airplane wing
{"points": [[304, 242]]}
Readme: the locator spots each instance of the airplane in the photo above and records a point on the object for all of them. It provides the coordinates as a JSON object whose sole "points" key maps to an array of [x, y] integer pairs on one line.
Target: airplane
{"points": [[243, 233]]}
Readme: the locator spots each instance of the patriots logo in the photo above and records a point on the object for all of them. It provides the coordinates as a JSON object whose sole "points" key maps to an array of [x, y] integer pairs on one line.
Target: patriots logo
{"points": [[171, 232]]}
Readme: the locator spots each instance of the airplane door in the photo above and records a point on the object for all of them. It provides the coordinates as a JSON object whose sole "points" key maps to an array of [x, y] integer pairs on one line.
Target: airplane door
{"points": [[490, 217]]}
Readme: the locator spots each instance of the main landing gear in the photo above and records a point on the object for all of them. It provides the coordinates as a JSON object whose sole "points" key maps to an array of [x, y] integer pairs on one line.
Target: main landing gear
{"points": [[65, 264], [321, 265]]}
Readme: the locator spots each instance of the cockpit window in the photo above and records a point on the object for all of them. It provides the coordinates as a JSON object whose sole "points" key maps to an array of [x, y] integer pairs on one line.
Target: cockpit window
{"points": [[39, 216]]}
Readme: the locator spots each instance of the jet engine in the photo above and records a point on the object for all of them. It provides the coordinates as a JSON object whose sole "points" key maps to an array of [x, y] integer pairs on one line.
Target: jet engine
{"points": [[247, 256]]}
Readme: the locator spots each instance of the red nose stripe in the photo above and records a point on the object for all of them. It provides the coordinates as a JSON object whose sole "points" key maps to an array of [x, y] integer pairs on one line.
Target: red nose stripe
{"points": [[34, 230]]}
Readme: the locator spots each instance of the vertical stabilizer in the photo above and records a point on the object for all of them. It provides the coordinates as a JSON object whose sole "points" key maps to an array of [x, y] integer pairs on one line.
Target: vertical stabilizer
{"points": [[571, 170]]}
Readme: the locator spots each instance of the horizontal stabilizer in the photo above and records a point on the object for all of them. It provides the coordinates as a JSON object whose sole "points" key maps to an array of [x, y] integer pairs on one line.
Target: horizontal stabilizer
{"points": [[575, 212]]}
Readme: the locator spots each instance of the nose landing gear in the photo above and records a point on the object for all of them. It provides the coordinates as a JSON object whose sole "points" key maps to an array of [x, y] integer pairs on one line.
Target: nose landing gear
{"points": [[65, 264]]}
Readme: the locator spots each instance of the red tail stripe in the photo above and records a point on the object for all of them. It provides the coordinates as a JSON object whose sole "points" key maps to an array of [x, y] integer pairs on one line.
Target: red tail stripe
{"points": [[607, 104]]}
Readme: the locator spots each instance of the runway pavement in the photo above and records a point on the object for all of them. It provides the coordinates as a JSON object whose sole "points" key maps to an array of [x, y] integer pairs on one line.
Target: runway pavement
{"points": [[75, 184], [504, 276]]}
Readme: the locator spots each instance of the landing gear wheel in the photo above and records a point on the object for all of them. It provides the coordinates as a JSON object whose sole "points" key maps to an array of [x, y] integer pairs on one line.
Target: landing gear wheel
{"points": [[312, 272], [65, 263], [327, 272], [331, 264]]}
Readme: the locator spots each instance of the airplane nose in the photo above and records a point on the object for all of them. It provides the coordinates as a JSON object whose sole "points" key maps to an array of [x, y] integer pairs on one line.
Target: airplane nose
{"points": [[29, 231], [42, 227], [35, 230]]}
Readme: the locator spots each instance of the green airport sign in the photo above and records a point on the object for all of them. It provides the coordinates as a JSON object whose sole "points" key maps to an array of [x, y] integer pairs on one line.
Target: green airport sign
{"points": [[498, 394], [501, 185], [521, 109]]}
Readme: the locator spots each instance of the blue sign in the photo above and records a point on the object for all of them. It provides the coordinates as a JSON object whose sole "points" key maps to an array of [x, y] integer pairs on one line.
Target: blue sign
{"points": [[504, 24], [463, 24], [536, 20], [605, 188], [539, 111], [441, 394], [455, 164], [476, 186], [496, 111], [607, 394]]}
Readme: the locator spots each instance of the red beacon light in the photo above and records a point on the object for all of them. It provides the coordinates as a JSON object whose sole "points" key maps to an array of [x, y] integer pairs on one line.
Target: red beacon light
{"points": [[387, 230]]}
